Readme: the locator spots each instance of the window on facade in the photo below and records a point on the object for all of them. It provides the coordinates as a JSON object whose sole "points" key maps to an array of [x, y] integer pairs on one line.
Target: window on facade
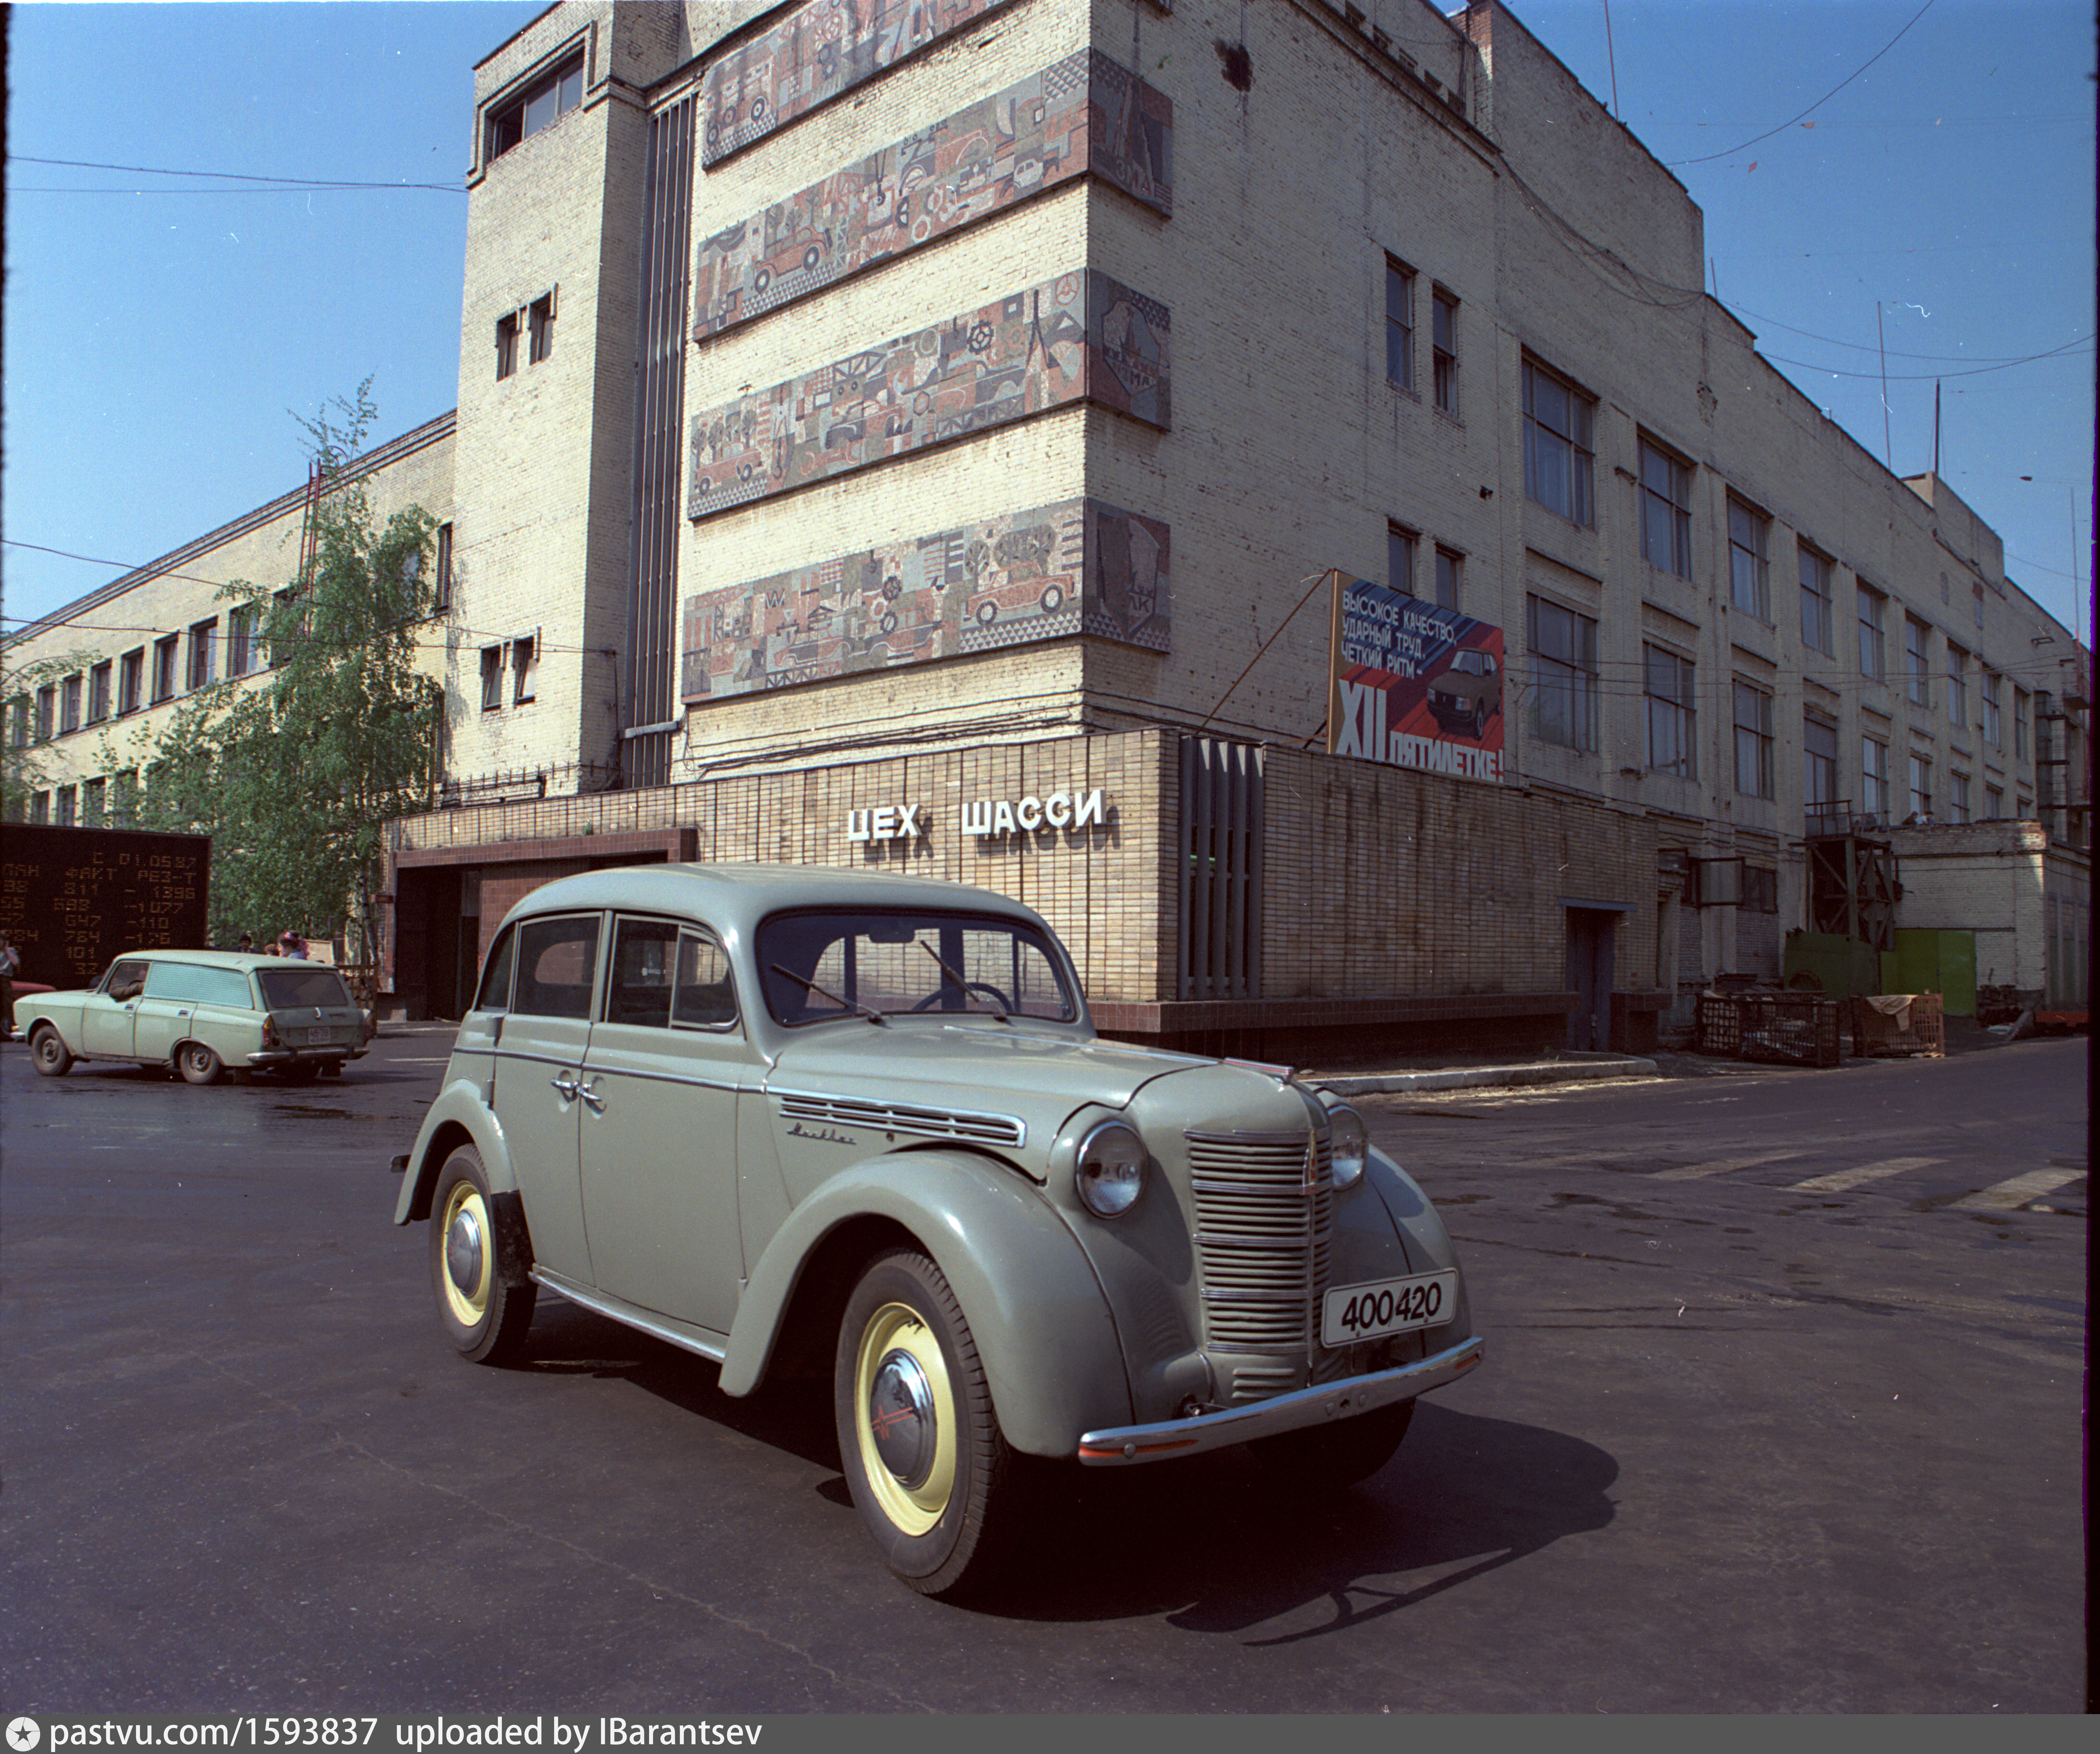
{"points": [[68, 797], [1560, 460], [506, 345], [204, 654], [1873, 640], [18, 723], [1760, 890], [1563, 667], [242, 646], [540, 105], [1753, 740], [98, 681], [131, 681], [1672, 712], [91, 795], [163, 668], [1819, 761], [540, 320], [492, 678], [1957, 687], [2020, 723], [1398, 325], [40, 807], [1748, 534], [444, 598], [292, 620], [1449, 564], [1957, 797], [523, 656], [1817, 624], [1665, 499], [2024, 807], [1993, 725], [71, 693], [1976, 598], [47, 712], [1918, 660], [1874, 776], [1444, 343], [1994, 803], [1920, 787], [1399, 543]]}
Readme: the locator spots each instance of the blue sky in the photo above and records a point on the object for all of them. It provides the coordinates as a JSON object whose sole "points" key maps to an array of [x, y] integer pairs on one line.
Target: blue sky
{"points": [[162, 333]]}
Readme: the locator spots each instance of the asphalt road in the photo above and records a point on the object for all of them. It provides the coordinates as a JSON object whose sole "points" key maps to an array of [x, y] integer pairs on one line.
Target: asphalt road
{"points": [[1781, 1411]]}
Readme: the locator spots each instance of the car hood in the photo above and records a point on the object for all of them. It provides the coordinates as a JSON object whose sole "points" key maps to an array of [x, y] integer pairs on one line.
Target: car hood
{"points": [[1036, 1077]]}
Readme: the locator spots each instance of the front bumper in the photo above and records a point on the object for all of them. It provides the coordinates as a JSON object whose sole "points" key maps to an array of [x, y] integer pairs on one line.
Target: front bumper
{"points": [[1124, 1444]]}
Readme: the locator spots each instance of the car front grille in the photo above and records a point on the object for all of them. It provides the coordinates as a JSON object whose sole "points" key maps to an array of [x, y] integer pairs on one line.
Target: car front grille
{"points": [[1264, 1227]]}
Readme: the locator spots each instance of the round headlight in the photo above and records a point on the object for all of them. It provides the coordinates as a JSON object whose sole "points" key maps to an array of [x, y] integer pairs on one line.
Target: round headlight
{"points": [[1351, 1144], [1111, 1170]]}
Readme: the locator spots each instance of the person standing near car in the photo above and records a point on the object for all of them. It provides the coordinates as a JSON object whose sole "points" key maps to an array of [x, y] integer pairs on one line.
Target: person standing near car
{"points": [[10, 960], [294, 945]]}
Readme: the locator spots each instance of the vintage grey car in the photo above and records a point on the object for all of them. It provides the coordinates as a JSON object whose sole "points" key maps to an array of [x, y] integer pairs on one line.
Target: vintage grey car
{"points": [[816, 1122], [201, 1013]]}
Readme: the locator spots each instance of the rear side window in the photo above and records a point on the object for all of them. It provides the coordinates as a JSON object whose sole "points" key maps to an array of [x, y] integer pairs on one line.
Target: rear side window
{"points": [[664, 974], [556, 961], [289, 989], [495, 978], [198, 985]]}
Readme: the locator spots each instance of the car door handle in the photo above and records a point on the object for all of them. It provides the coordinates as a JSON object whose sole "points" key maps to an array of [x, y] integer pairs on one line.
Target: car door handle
{"points": [[566, 1086], [597, 1102]]}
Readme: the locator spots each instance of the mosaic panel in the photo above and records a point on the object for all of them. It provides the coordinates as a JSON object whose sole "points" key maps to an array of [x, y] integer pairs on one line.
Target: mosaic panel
{"points": [[1081, 336], [1048, 572], [812, 55], [1084, 113]]}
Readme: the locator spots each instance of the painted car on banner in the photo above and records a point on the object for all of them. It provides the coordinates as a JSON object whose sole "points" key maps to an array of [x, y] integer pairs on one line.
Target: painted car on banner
{"points": [[812, 1122], [1467, 692]]}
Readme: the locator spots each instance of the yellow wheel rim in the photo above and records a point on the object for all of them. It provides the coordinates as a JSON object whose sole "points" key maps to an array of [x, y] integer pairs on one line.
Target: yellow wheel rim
{"points": [[466, 1211], [898, 1338]]}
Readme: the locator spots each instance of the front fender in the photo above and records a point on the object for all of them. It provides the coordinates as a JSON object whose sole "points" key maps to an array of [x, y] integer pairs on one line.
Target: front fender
{"points": [[458, 1117], [1034, 1308]]}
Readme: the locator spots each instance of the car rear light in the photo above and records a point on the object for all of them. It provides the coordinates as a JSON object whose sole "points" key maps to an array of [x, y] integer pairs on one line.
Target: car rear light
{"points": [[269, 1031]]}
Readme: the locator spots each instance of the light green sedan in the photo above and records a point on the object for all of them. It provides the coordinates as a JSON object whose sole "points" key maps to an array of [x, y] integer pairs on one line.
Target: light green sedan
{"points": [[815, 1122], [200, 1013]]}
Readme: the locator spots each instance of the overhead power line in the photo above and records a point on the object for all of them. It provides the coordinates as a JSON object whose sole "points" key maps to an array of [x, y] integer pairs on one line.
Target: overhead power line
{"points": [[223, 176]]}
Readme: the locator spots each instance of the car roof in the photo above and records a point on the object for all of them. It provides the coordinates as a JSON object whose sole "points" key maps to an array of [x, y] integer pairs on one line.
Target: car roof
{"points": [[735, 897], [243, 960]]}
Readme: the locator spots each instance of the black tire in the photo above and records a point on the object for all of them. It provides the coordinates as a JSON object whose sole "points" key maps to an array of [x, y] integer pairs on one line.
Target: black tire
{"points": [[1331, 1458], [941, 1499], [48, 1051], [1053, 598], [483, 1316], [198, 1064], [1479, 721]]}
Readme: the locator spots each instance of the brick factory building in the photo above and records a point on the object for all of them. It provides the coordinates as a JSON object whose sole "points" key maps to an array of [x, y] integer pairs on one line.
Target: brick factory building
{"points": [[1265, 485]]}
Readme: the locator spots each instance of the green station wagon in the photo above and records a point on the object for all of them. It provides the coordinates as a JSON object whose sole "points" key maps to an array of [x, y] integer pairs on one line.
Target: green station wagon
{"points": [[200, 1013], [815, 1122]]}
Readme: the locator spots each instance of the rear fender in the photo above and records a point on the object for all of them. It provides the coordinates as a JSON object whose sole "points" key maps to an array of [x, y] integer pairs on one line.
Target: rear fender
{"points": [[1035, 1309], [458, 1117]]}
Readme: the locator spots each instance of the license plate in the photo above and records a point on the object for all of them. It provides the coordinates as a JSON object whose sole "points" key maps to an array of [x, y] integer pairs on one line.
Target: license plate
{"points": [[1387, 1306], [321, 1035]]}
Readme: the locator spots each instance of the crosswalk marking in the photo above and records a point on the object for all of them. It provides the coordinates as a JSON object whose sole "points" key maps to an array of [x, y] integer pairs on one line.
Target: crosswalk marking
{"points": [[2018, 1190], [1720, 1166], [1838, 1180]]}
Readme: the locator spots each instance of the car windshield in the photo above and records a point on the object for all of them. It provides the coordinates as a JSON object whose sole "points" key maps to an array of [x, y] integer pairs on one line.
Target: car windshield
{"points": [[290, 989], [827, 963], [1473, 664]]}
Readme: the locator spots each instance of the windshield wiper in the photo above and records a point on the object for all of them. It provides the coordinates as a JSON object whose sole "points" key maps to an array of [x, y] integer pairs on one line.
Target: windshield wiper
{"points": [[997, 1010], [872, 1015]]}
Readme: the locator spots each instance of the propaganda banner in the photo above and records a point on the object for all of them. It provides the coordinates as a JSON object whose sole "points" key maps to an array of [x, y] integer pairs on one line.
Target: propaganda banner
{"points": [[1413, 685]]}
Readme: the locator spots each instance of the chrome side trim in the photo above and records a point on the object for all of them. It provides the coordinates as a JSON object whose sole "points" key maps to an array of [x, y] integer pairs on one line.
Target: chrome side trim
{"points": [[1123, 1444], [671, 1333], [583, 1063], [880, 1116]]}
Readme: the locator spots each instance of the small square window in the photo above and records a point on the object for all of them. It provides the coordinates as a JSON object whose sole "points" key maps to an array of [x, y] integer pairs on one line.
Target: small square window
{"points": [[492, 678]]}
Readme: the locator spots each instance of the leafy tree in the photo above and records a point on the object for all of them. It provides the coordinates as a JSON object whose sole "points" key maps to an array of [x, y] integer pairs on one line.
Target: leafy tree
{"points": [[22, 771], [296, 778]]}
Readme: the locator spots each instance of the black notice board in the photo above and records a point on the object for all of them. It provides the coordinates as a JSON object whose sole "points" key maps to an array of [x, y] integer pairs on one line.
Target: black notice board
{"points": [[74, 899]]}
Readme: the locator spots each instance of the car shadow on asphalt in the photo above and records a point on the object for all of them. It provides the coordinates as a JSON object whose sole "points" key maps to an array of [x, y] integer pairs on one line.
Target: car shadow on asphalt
{"points": [[1217, 1543]]}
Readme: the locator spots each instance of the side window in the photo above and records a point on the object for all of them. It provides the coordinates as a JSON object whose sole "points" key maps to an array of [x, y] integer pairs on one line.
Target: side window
{"points": [[556, 961], [125, 980], [706, 996], [495, 994], [196, 984], [638, 990]]}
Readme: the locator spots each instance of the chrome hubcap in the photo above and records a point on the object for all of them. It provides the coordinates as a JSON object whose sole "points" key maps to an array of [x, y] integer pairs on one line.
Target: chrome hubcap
{"points": [[463, 1252], [900, 1413]]}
